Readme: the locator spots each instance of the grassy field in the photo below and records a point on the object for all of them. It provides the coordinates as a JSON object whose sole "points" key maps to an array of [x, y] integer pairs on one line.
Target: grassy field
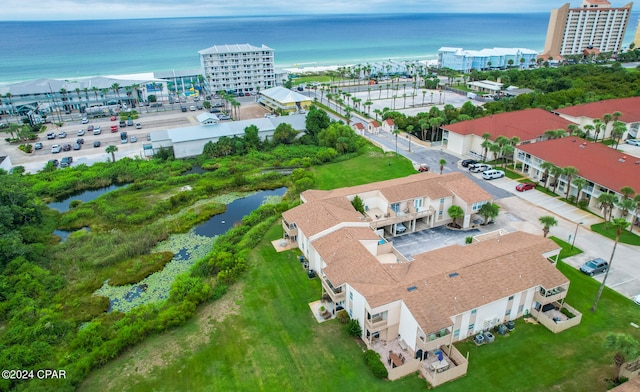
{"points": [[374, 165], [608, 231]]}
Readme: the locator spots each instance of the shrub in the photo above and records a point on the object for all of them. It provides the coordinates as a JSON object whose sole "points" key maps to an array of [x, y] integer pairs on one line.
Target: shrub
{"points": [[375, 364], [342, 316], [353, 328], [468, 240]]}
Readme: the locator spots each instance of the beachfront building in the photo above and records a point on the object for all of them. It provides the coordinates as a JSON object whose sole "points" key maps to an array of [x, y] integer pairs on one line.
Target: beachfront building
{"points": [[239, 68], [529, 126], [636, 38], [55, 100], [282, 100], [412, 310], [605, 169], [625, 110], [189, 141], [183, 83], [595, 24], [496, 58]]}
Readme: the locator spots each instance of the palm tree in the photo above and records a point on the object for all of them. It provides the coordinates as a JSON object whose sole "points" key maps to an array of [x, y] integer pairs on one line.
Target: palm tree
{"points": [[556, 172], [396, 132], [423, 124], [454, 213], [597, 124], [488, 211], [112, 150], [442, 162], [636, 212], [409, 130], [625, 206], [625, 346], [619, 224], [548, 221], [617, 131], [627, 192], [587, 130], [569, 172], [579, 183], [607, 201], [116, 89], [547, 167]]}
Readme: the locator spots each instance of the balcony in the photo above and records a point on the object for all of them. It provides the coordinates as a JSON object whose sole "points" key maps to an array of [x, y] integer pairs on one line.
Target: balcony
{"points": [[555, 294], [290, 229], [375, 323], [337, 294]]}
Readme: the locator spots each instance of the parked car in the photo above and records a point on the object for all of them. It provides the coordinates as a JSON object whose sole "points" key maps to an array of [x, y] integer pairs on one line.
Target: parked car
{"points": [[77, 146], [133, 139], [80, 140], [479, 167], [525, 186], [51, 135], [113, 118], [62, 134], [96, 143], [423, 168], [56, 148], [66, 147], [138, 126], [491, 174], [224, 117], [54, 162], [123, 123], [192, 108], [148, 137], [114, 128], [38, 146], [218, 105], [183, 108], [90, 128], [130, 122], [97, 131], [400, 228], [81, 132], [595, 266], [633, 142], [84, 120], [467, 162], [66, 161]]}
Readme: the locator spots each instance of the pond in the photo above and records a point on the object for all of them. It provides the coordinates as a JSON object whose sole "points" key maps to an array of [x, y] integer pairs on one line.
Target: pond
{"points": [[86, 196], [187, 249]]}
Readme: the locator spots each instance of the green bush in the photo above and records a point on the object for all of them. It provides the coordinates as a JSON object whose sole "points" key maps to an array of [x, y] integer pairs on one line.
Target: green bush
{"points": [[353, 328], [372, 359], [468, 240], [342, 316]]}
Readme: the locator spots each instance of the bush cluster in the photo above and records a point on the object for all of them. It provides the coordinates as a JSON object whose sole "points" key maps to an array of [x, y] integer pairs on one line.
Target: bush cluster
{"points": [[372, 359]]}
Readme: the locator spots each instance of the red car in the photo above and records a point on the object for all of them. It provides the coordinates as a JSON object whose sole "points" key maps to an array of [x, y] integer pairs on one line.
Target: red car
{"points": [[113, 118], [525, 186], [114, 128]]}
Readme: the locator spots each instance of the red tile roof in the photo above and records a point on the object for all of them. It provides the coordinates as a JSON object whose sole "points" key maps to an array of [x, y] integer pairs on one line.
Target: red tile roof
{"points": [[525, 124], [594, 161], [359, 125], [389, 121], [375, 123], [629, 107]]}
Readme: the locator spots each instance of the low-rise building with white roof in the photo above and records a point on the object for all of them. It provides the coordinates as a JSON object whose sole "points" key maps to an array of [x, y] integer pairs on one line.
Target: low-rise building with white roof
{"points": [[496, 58]]}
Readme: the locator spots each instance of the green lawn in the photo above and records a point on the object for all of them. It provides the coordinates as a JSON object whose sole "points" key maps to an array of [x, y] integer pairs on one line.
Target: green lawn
{"points": [[608, 231], [373, 165]]}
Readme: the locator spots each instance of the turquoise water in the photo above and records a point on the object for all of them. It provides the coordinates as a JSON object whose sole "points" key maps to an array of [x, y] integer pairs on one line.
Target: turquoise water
{"points": [[67, 49]]}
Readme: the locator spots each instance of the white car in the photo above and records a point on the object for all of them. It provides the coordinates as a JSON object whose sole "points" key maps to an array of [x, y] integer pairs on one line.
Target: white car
{"points": [[85, 121], [479, 167], [633, 142], [81, 132], [491, 174], [56, 149]]}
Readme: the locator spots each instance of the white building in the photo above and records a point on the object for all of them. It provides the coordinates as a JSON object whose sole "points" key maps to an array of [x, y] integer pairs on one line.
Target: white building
{"points": [[595, 24], [496, 58], [238, 68]]}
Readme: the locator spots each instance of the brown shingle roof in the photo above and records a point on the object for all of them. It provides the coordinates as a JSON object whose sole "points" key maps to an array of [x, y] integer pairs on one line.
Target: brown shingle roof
{"points": [[594, 161], [629, 107], [312, 218], [483, 272], [526, 124]]}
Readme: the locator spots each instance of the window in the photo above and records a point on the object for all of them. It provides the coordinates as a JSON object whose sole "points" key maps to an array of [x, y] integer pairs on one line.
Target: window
{"points": [[471, 326], [520, 308], [507, 312], [456, 333], [474, 311], [395, 207], [417, 203], [351, 295], [442, 200], [510, 298]]}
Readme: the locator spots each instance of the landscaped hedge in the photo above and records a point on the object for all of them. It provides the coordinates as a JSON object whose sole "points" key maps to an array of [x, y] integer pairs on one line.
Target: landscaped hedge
{"points": [[377, 367]]}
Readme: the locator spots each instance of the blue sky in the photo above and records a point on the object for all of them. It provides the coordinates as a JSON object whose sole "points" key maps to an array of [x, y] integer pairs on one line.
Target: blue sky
{"points": [[124, 9]]}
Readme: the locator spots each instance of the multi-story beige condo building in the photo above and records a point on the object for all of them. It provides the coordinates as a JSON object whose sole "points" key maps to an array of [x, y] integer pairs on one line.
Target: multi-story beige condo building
{"points": [[594, 25], [239, 68]]}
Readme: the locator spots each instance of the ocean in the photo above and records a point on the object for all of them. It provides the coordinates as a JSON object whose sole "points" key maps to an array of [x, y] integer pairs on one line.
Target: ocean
{"points": [[69, 49]]}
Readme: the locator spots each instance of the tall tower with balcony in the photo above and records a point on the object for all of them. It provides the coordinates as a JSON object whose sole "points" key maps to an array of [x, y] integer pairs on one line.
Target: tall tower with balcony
{"points": [[593, 25], [238, 68]]}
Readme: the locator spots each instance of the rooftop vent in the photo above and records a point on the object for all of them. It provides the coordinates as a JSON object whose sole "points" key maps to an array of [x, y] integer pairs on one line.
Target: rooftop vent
{"points": [[412, 288], [621, 160], [453, 275]]}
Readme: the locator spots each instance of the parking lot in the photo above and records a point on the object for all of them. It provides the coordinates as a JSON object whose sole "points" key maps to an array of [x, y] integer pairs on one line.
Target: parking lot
{"points": [[151, 119]]}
